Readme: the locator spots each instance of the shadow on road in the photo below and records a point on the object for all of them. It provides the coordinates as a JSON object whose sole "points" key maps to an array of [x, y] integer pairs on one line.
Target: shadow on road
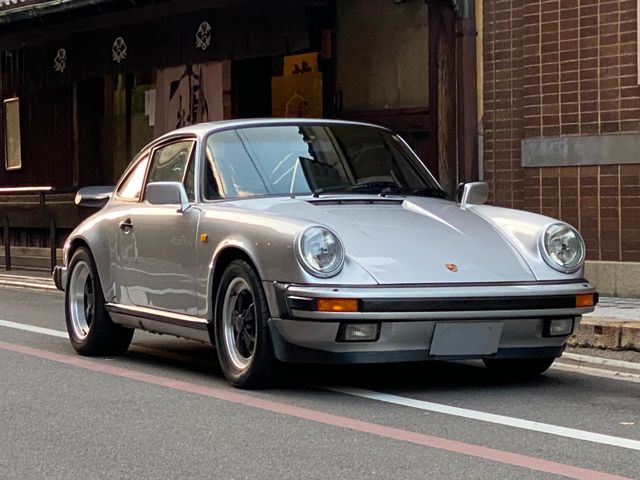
{"points": [[201, 359]]}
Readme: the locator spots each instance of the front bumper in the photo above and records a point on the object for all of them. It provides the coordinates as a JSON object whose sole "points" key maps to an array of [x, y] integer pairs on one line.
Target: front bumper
{"points": [[408, 317], [59, 276]]}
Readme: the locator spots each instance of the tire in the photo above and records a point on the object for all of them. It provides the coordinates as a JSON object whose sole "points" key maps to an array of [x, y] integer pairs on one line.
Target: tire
{"points": [[519, 368], [242, 337], [91, 331]]}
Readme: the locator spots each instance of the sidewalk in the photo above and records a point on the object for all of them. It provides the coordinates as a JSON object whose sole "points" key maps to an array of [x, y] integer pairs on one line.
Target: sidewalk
{"points": [[615, 324], [31, 279]]}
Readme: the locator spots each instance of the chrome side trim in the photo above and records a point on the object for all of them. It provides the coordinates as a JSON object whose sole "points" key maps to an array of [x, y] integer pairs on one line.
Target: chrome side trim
{"points": [[569, 281], [145, 313]]}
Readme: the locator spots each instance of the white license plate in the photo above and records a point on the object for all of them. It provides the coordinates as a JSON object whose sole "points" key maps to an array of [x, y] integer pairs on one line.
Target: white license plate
{"points": [[468, 338]]}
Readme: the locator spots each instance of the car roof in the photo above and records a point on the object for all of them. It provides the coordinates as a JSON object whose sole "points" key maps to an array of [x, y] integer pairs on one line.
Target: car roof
{"points": [[202, 129]]}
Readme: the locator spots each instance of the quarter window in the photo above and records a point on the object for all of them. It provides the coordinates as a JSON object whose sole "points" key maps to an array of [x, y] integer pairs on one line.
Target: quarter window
{"points": [[170, 162], [132, 186]]}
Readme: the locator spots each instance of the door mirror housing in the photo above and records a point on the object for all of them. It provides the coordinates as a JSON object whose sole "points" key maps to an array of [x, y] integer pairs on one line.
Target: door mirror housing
{"points": [[94, 197], [474, 193], [167, 193]]}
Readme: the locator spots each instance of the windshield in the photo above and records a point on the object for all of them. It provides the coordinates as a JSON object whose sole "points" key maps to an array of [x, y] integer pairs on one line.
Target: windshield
{"points": [[314, 159]]}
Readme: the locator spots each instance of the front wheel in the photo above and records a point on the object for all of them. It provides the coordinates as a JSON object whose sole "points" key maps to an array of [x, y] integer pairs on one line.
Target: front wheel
{"points": [[90, 328], [242, 335], [519, 367]]}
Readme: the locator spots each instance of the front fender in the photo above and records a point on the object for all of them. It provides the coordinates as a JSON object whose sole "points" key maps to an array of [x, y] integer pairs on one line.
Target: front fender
{"points": [[269, 242], [523, 230]]}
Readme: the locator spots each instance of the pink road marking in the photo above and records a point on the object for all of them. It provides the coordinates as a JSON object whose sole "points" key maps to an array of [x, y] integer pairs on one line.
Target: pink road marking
{"points": [[515, 459]]}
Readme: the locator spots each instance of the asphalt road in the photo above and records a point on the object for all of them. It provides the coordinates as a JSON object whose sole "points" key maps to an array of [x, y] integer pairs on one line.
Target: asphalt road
{"points": [[164, 411]]}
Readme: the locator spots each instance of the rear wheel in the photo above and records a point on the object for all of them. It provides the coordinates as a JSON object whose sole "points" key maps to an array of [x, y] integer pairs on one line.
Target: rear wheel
{"points": [[242, 335], [90, 328], [519, 367]]}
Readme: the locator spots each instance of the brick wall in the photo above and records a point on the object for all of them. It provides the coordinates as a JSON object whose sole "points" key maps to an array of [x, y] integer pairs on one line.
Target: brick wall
{"points": [[558, 68]]}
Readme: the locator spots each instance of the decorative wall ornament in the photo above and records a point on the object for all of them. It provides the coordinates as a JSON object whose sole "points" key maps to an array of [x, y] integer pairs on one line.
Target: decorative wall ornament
{"points": [[203, 36], [119, 50], [60, 61]]}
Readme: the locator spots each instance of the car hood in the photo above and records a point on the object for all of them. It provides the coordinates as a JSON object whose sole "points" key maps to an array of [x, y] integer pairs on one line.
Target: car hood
{"points": [[415, 240]]}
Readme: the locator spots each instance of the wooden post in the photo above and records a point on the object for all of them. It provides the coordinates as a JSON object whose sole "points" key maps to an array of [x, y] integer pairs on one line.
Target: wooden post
{"points": [[467, 99], [7, 241], [75, 136], [128, 95]]}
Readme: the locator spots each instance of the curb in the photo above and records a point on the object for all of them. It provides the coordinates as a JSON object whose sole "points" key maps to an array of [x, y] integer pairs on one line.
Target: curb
{"points": [[608, 334], [40, 286]]}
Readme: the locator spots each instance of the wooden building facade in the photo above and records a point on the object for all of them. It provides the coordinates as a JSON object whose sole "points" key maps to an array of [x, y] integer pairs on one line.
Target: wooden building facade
{"points": [[85, 84]]}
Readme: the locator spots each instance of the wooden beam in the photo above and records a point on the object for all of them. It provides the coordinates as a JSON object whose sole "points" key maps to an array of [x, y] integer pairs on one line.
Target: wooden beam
{"points": [[129, 16]]}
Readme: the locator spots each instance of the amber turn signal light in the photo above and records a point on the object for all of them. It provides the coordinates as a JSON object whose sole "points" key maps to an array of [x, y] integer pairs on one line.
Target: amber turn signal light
{"points": [[337, 305], [585, 300]]}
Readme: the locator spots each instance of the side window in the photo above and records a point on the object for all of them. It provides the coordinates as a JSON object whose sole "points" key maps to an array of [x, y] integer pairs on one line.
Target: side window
{"points": [[169, 162], [132, 186]]}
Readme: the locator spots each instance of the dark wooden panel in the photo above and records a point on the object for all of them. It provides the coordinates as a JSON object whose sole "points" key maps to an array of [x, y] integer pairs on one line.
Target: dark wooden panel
{"points": [[46, 135]]}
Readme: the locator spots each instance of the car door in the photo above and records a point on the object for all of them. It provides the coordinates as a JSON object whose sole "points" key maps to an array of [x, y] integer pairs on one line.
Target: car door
{"points": [[158, 242]]}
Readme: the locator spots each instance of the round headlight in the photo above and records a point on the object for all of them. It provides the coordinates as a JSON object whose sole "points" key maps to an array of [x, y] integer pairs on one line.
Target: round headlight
{"points": [[563, 248], [320, 252]]}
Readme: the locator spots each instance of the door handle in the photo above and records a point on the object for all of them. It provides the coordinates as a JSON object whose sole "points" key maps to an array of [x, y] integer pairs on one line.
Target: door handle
{"points": [[126, 225]]}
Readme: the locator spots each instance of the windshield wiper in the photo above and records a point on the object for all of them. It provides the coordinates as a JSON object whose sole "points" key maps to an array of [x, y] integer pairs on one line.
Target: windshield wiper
{"points": [[316, 192], [386, 188], [418, 192], [353, 188]]}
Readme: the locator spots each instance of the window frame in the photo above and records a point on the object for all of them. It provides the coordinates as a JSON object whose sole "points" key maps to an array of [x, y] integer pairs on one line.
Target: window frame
{"points": [[164, 145], [14, 130], [150, 150], [416, 162]]}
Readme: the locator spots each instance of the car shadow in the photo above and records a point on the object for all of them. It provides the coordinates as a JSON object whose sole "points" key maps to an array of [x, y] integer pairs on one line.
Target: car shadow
{"points": [[429, 375], [201, 359]]}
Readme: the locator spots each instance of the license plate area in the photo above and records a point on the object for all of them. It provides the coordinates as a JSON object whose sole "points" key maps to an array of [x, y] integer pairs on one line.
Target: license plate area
{"points": [[465, 338]]}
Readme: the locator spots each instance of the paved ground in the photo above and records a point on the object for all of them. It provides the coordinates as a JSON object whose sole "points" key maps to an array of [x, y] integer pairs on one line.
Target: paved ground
{"points": [[164, 411]]}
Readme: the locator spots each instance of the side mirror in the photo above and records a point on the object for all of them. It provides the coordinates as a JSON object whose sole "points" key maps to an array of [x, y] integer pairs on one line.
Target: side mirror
{"points": [[94, 197], [167, 193], [474, 193]]}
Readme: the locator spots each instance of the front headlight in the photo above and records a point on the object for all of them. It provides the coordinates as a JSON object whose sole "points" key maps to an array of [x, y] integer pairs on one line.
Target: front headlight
{"points": [[562, 248], [320, 252]]}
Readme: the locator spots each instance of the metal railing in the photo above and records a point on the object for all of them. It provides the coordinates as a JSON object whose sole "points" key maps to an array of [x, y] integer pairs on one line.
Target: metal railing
{"points": [[6, 224]]}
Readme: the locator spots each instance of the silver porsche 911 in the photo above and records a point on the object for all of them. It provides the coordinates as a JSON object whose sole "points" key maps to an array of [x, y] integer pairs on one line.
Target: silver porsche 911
{"points": [[316, 241]]}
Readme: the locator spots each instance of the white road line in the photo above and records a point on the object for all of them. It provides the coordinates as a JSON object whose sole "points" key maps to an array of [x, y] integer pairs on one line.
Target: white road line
{"points": [[491, 418], [33, 328], [601, 361], [598, 372], [446, 409]]}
